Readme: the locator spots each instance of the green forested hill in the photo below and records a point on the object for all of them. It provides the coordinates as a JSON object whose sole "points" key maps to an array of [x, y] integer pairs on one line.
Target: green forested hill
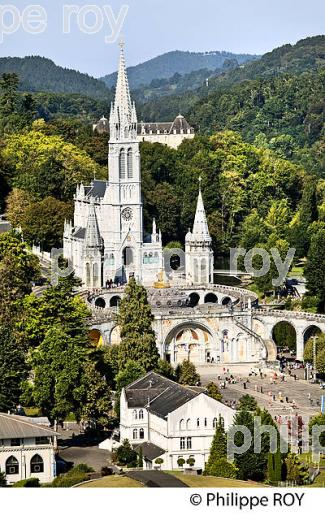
{"points": [[290, 104], [39, 74], [177, 62], [282, 94]]}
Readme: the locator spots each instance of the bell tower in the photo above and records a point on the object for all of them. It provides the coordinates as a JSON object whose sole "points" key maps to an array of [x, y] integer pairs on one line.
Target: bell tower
{"points": [[125, 178]]}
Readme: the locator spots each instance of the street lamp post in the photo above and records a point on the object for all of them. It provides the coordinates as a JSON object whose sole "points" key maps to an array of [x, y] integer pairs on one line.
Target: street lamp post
{"points": [[315, 338]]}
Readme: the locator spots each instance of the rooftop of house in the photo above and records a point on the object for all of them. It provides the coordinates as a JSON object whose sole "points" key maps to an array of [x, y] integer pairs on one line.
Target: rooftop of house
{"points": [[17, 427], [158, 393], [178, 126]]}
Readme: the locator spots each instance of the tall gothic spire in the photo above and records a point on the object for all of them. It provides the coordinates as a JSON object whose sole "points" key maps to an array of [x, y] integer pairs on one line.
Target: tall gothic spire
{"points": [[200, 227], [123, 118], [92, 236]]}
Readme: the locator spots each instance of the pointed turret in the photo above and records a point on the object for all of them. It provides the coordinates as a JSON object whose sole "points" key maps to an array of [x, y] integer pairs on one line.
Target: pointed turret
{"points": [[200, 227], [198, 251], [92, 236], [123, 118]]}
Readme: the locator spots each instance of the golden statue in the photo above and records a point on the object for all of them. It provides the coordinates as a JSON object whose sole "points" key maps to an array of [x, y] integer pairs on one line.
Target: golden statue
{"points": [[162, 282]]}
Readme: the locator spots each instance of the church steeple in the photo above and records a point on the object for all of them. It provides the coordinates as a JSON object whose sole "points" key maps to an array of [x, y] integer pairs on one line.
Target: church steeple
{"points": [[198, 250], [200, 227], [92, 235], [123, 118]]}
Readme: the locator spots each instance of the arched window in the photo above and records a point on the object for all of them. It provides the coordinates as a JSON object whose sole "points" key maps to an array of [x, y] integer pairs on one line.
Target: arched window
{"points": [[111, 260], [222, 420], [135, 414], [130, 164], [141, 433], [188, 424], [181, 424], [135, 434], [95, 275], [122, 164], [140, 414], [145, 258], [88, 274], [37, 464], [215, 422], [198, 422], [205, 422], [12, 466]]}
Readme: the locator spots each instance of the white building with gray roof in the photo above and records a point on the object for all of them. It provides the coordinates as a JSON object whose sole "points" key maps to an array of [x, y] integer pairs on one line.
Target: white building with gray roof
{"points": [[27, 450], [169, 421]]}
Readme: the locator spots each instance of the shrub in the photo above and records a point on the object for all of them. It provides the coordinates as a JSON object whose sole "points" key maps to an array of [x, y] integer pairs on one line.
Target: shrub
{"points": [[159, 461], [191, 461], [3, 481], [181, 462], [28, 483], [74, 476], [105, 471]]}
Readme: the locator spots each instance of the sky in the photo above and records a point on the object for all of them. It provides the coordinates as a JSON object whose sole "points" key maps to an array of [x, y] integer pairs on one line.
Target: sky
{"points": [[151, 27]]}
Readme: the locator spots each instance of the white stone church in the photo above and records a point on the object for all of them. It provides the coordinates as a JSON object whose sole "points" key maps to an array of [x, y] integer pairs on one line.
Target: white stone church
{"points": [[106, 240]]}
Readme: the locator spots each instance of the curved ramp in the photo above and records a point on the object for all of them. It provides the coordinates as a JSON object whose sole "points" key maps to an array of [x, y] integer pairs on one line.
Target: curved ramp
{"points": [[156, 478]]}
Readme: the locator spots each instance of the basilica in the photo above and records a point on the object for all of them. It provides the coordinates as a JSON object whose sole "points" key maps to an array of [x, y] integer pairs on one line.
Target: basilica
{"points": [[106, 242]]}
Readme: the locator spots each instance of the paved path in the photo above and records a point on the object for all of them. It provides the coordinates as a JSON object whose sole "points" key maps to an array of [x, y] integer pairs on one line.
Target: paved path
{"points": [[156, 478], [295, 390], [90, 455]]}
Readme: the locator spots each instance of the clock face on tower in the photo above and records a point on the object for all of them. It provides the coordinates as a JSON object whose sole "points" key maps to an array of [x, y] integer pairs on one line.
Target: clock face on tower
{"points": [[127, 214]]}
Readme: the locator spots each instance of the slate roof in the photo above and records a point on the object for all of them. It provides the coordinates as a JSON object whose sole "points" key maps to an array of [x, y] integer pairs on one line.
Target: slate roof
{"points": [[150, 451], [161, 394], [97, 189], [17, 427], [179, 125], [79, 233]]}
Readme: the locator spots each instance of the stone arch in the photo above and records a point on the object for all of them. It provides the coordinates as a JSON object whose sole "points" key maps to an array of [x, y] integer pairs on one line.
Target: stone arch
{"points": [[189, 340], [194, 299], [115, 301], [226, 300], [284, 335], [211, 298], [115, 336], [311, 330], [96, 338], [175, 262], [100, 302], [128, 256]]}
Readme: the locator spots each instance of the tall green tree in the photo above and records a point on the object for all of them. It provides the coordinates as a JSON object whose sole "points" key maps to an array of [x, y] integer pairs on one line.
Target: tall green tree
{"points": [[315, 268], [213, 391], [251, 465], [58, 366], [13, 369], [17, 270], [95, 395], [138, 340], [187, 374], [58, 307], [217, 464]]}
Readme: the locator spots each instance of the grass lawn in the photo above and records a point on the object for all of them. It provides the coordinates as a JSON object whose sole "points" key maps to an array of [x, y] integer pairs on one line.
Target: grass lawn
{"points": [[296, 271], [113, 481], [319, 481], [201, 481]]}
